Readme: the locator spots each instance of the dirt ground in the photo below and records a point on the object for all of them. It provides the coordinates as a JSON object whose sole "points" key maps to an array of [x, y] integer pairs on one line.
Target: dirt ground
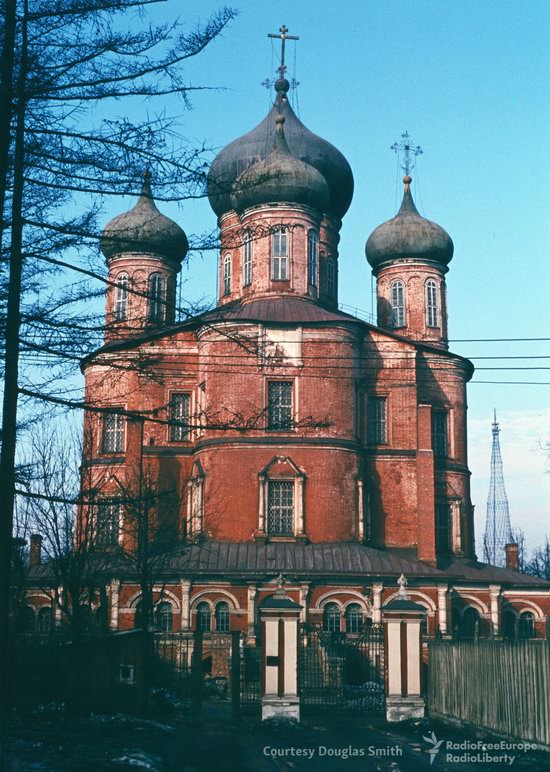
{"points": [[50, 741]]}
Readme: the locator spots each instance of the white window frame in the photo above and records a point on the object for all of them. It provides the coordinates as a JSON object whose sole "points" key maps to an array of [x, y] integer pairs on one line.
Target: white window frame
{"points": [[107, 514], [312, 257], [331, 277], [279, 254], [432, 303], [374, 435], [113, 433], [397, 303], [279, 426], [227, 275], [121, 298], [247, 259], [285, 509], [180, 431], [157, 297]]}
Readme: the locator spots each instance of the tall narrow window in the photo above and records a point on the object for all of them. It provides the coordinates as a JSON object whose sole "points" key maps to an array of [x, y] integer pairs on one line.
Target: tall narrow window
{"points": [[432, 311], [204, 617], [377, 432], [113, 433], [526, 624], [164, 616], [331, 278], [247, 259], [279, 405], [442, 526], [180, 408], [222, 617], [157, 290], [397, 304], [280, 507], [331, 618], [279, 269], [44, 620], [107, 524], [121, 297], [354, 618], [440, 442], [312, 253], [227, 275]]}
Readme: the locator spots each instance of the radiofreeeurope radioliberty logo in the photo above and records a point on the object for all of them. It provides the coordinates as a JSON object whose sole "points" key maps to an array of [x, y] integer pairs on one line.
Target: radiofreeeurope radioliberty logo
{"points": [[436, 746]]}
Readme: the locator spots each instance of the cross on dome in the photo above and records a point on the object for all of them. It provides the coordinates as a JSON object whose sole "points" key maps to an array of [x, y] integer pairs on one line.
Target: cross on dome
{"points": [[283, 37], [406, 152]]}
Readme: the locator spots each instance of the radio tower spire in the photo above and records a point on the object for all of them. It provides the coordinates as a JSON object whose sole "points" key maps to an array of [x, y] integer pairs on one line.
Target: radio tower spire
{"points": [[498, 531]]}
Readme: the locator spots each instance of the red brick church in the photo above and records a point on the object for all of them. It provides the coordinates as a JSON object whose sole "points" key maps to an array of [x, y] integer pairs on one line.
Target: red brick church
{"points": [[276, 434]]}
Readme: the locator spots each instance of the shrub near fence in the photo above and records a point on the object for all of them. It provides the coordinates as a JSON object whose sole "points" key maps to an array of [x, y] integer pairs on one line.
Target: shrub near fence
{"points": [[502, 686]]}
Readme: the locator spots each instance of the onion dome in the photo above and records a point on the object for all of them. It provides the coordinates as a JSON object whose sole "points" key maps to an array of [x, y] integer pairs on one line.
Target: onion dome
{"points": [[303, 145], [144, 229], [408, 235], [280, 177]]}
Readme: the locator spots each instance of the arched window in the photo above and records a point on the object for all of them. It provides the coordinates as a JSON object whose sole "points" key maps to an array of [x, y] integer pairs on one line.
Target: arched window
{"points": [[331, 618], [432, 310], [164, 616], [203, 617], [354, 618], [227, 275], [279, 267], [470, 624], [247, 259], [312, 253], [44, 620], [138, 615], [121, 297], [397, 291], [509, 625], [156, 293], [331, 278], [222, 617], [526, 625], [27, 619]]}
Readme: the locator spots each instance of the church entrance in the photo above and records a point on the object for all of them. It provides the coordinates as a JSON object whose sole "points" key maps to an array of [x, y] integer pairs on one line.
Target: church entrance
{"points": [[342, 672]]}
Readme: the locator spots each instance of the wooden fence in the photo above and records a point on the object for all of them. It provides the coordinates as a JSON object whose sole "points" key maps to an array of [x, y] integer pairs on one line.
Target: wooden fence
{"points": [[501, 686]]}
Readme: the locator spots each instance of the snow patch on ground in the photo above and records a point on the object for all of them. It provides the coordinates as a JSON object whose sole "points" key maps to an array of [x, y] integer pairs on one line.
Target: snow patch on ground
{"points": [[139, 759]]}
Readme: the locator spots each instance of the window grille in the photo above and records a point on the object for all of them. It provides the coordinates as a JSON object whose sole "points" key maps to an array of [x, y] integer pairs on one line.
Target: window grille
{"points": [[280, 254], [227, 275], [180, 409], [204, 617], [432, 311], [113, 433], [526, 625], [155, 311], [442, 525], [377, 420], [222, 617], [280, 508], [107, 523], [312, 252], [121, 298], [439, 433], [44, 620], [331, 618], [331, 278], [164, 616], [398, 304], [279, 405], [247, 260], [354, 618]]}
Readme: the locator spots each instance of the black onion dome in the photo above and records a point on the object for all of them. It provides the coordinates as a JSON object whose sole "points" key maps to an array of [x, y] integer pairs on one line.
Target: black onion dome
{"points": [[236, 157], [408, 235], [280, 177], [144, 229]]}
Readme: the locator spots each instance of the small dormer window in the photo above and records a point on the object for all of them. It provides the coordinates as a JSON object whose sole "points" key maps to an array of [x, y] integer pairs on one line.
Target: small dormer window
{"points": [[157, 291], [432, 306], [121, 297], [331, 278], [279, 270], [397, 291], [312, 253], [227, 275], [247, 259]]}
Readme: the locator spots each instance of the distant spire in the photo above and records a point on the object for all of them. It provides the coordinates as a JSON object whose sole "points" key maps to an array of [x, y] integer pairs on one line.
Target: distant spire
{"points": [[498, 531], [406, 152]]}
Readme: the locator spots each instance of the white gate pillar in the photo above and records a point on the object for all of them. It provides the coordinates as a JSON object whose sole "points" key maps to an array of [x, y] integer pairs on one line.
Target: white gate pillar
{"points": [[402, 618], [279, 616]]}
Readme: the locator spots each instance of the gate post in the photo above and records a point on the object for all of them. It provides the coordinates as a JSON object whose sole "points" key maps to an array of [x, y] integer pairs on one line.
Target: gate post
{"points": [[279, 616], [402, 641]]}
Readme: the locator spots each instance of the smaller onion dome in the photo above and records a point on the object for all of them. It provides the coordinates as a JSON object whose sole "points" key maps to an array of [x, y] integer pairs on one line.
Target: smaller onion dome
{"points": [[408, 235], [280, 177], [144, 229]]}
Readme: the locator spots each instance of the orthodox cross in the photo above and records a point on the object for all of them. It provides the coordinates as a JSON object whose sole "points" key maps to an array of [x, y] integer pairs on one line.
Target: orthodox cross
{"points": [[406, 152], [283, 37]]}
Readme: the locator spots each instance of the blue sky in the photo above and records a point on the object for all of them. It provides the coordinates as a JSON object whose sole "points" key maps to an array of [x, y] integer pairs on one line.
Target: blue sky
{"points": [[468, 80]]}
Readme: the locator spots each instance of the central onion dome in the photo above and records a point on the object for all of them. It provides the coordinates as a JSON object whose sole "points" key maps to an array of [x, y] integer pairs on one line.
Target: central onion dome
{"points": [[144, 229], [408, 235], [280, 177], [305, 146]]}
